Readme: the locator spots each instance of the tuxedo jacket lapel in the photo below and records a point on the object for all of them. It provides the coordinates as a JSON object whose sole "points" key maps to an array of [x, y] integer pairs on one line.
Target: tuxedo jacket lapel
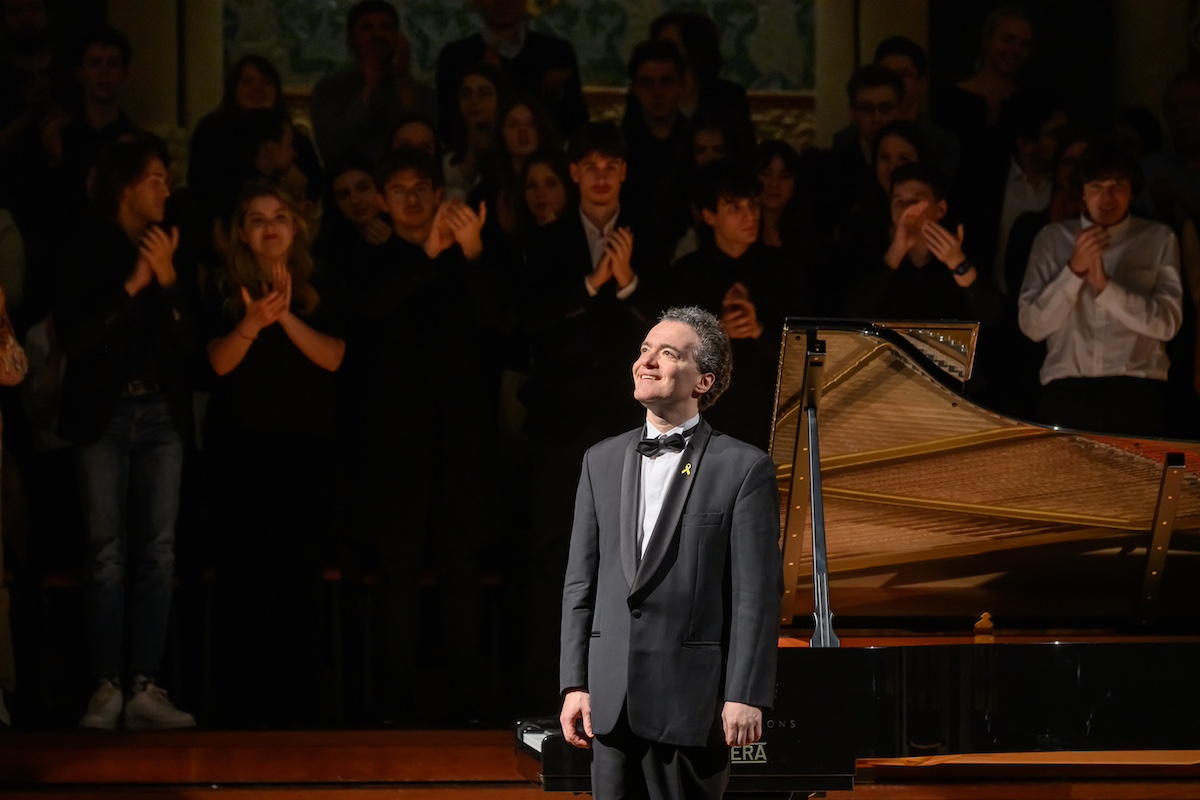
{"points": [[667, 526], [631, 474]]}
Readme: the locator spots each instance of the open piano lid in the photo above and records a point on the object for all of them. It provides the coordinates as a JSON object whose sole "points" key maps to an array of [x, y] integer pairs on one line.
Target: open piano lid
{"points": [[938, 510]]}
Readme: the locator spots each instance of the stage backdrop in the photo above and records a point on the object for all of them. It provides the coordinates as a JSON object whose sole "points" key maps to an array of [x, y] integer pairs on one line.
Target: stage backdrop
{"points": [[768, 44]]}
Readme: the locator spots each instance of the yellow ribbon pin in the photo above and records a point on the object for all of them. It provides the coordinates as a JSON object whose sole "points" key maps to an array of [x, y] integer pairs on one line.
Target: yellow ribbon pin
{"points": [[687, 469]]}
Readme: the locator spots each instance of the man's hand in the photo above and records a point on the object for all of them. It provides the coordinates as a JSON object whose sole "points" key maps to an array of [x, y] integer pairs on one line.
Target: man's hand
{"points": [[601, 273], [158, 249], [618, 250], [51, 135], [578, 705], [742, 723], [466, 226], [906, 233], [141, 276], [1089, 246], [376, 231], [738, 314], [945, 246], [1097, 277]]}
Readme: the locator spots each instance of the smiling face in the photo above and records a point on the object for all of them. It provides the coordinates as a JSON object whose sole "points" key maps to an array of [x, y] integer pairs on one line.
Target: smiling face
{"points": [[666, 378], [544, 193], [268, 229], [356, 197], [1107, 199]]}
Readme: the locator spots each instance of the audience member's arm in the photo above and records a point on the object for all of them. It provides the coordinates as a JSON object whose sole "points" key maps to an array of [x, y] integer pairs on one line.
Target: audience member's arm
{"points": [[1051, 288], [322, 349], [226, 352], [1157, 314]]}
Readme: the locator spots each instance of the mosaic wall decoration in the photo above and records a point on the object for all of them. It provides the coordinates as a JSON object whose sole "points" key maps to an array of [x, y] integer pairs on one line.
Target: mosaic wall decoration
{"points": [[768, 44]]}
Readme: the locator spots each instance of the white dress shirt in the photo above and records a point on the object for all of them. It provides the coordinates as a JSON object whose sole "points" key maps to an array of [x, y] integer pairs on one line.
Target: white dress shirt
{"points": [[1119, 331], [657, 473]]}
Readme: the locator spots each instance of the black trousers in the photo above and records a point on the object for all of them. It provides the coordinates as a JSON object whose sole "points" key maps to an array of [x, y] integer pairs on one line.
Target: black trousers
{"points": [[626, 767]]}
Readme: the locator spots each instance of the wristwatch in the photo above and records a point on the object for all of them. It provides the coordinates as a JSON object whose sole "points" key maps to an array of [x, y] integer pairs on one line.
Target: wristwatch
{"points": [[963, 268]]}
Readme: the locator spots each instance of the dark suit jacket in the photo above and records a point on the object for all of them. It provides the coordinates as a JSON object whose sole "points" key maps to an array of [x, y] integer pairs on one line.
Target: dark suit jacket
{"points": [[597, 337], [695, 624]]}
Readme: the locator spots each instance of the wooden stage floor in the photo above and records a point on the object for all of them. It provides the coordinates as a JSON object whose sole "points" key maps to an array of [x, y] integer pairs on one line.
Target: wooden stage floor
{"points": [[479, 765]]}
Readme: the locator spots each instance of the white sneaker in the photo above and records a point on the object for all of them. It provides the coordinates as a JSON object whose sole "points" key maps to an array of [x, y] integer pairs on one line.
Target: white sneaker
{"points": [[104, 709], [149, 709]]}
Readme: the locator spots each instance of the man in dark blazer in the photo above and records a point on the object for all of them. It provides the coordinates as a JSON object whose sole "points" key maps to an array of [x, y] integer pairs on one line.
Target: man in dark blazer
{"points": [[671, 598]]}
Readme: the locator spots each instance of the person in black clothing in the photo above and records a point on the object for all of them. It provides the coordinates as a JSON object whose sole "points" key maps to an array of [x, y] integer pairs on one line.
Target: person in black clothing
{"points": [[536, 64], [751, 288], [269, 433], [924, 274], [704, 90], [73, 143], [866, 230], [656, 131], [126, 328], [253, 83], [353, 225], [875, 94], [419, 305]]}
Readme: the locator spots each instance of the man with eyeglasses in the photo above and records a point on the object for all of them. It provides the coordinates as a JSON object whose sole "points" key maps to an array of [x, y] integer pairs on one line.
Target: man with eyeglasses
{"points": [[414, 370], [1104, 292], [656, 132], [875, 95]]}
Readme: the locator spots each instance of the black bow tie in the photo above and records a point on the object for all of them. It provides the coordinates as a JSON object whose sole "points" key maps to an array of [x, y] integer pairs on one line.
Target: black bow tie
{"points": [[657, 445]]}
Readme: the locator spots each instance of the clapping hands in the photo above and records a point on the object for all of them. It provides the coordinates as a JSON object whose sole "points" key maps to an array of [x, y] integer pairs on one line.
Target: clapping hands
{"points": [[1086, 259], [271, 306], [456, 221]]}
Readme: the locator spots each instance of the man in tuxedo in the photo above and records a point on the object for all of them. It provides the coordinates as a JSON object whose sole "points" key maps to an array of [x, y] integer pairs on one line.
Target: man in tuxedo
{"points": [[671, 598]]}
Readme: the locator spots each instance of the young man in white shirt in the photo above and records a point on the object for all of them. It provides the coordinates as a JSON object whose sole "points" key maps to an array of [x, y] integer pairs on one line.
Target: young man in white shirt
{"points": [[1105, 294]]}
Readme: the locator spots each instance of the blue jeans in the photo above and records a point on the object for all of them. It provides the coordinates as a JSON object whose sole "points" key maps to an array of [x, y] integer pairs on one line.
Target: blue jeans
{"points": [[142, 451]]}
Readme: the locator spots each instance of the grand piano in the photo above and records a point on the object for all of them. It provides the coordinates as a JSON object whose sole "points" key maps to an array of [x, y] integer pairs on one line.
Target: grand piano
{"points": [[961, 587]]}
